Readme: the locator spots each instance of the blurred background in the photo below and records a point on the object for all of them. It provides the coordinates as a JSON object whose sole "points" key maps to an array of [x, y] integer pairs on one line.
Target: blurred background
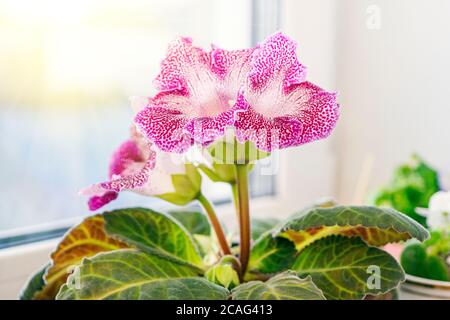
{"points": [[67, 69]]}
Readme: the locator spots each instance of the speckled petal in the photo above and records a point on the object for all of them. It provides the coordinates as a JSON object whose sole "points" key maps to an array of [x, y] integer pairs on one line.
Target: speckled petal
{"points": [[267, 133], [206, 130], [317, 110], [127, 153], [96, 202], [165, 127], [304, 114], [130, 168], [184, 66], [137, 177], [231, 67], [275, 61]]}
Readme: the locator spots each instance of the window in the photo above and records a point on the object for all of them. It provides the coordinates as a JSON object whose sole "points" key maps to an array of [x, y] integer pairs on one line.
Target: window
{"points": [[67, 69]]}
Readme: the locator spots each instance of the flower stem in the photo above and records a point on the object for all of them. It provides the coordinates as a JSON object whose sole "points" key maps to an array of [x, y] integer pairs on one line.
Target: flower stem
{"points": [[244, 214], [225, 248]]}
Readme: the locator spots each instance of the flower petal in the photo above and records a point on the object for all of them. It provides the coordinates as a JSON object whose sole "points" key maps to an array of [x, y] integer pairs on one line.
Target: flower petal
{"points": [[316, 109], [206, 130], [164, 127], [133, 180], [184, 66], [160, 177], [275, 61], [304, 114], [126, 153], [231, 67], [96, 202], [130, 169], [267, 133]]}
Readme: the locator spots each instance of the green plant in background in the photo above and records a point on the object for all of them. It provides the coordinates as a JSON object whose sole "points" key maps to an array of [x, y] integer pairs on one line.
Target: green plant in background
{"points": [[321, 252], [428, 259], [411, 187]]}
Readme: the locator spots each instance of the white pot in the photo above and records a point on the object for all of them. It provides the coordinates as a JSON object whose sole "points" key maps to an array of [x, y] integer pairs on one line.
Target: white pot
{"points": [[417, 288]]}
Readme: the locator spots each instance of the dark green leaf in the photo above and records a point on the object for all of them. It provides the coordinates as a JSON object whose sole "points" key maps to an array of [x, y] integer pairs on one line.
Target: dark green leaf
{"points": [[284, 286], [437, 269], [195, 222], [153, 232], [377, 226], [347, 268], [413, 260], [132, 275], [34, 284], [418, 262], [260, 226], [271, 255]]}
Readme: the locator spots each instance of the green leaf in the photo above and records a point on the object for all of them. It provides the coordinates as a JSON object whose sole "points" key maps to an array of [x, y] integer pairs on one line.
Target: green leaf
{"points": [[437, 269], [219, 172], [187, 186], [413, 260], [83, 240], [346, 268], [132, 275], [417, 261], [270, 255], [376, 226], [284, 286], [195, 222], [260, 226], [153, 232], [411, 186], [34, 285], [226, 151], [224, 272]]}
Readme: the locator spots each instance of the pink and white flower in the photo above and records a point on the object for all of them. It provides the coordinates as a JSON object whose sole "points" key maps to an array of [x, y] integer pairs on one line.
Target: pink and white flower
{"points": [[136, 167], [261, 92], [197, 96], [281, 108]]}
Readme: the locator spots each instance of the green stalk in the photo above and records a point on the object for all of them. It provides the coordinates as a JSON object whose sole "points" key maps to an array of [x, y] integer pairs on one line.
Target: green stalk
{"points": [[244, 214], [234, 192], [215, 223]]}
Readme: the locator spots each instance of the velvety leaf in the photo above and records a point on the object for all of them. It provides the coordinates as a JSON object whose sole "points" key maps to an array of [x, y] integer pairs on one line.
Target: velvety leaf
{"points": [[153, 232], [195, 222], [284, 286], [84, 240], [376, 226], [133, 275], [345, 268], [271, 255], [35, 284], [260, 226]]}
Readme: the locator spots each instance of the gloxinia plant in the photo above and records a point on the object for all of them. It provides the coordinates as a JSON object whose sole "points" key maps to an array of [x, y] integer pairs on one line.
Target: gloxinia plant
{"points": [[238, 107]]}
